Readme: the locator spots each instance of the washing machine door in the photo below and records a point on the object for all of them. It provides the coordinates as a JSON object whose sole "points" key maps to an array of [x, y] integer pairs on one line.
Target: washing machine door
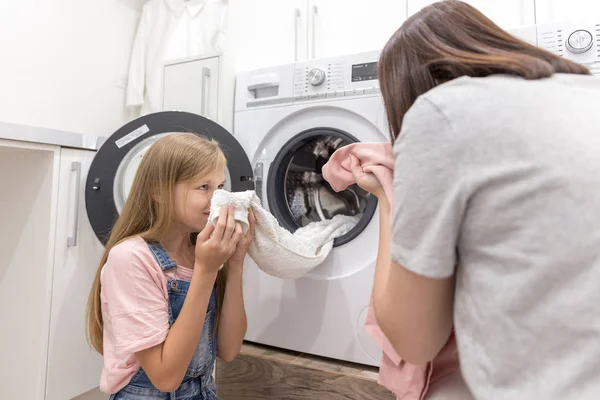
{"points": [[115, 164], [297, 192]]}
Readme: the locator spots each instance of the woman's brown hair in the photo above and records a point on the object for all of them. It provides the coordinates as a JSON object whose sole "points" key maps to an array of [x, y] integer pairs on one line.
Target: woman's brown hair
{"points": [[450, 39]]}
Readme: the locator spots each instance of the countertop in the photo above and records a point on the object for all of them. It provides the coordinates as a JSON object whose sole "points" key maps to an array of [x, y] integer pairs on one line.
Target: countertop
{"points": [[36, 134]]}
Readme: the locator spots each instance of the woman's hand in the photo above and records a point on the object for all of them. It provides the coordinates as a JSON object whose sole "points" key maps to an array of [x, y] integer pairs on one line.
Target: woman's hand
{"points": [[242, 247], [366, 180], [216, 243]]}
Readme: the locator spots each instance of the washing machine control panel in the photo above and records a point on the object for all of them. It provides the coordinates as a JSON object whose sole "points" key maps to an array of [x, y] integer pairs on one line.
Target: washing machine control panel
{"points": [[576, 41], [316, 76], [312, 80], [352, 75]]}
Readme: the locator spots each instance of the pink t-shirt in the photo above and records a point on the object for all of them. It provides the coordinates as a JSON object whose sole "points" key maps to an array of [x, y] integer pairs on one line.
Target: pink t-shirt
{"points": [[134, 309]]}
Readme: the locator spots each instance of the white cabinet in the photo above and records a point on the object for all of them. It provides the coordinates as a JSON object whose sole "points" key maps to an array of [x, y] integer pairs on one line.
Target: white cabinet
{"points": [[202, 85], [267, 32], [338, 27], [507, 14], [28, 202], [548, 11], [73, 368], [49, 257], [192, 85]]}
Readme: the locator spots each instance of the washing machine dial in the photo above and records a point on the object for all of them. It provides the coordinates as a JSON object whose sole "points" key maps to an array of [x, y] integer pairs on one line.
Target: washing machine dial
{"points": [[316, 76], [580, 41]]}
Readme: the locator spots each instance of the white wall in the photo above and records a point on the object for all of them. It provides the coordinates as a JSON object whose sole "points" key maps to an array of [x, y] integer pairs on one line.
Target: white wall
{"points": [[60, 59]]}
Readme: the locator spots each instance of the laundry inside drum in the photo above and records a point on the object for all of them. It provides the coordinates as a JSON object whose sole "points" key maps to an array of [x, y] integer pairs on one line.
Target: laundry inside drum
{"points": [[308, 196]]}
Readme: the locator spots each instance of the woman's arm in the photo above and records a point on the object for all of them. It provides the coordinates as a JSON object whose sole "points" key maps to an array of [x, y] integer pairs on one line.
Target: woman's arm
{"points": [[413, 311], [232, 321]]}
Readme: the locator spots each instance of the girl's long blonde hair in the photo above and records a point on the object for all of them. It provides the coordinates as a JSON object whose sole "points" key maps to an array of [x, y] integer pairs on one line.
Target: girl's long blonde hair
{"points": [[178, 157]]}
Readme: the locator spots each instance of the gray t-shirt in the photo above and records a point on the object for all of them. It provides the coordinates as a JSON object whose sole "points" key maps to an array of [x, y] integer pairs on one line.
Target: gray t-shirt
{"points": [[497, 180]]}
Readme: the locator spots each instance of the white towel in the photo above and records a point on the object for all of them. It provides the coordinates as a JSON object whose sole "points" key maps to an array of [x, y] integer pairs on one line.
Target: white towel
{"points": [[275, 250]]}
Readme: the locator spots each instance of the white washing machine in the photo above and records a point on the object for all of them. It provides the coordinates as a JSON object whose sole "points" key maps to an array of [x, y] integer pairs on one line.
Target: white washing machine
{"points": [[289, 120]]}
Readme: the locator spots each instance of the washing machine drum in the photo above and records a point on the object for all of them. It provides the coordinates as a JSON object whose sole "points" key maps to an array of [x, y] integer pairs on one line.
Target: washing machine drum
{"points": [[297, 192], [114, 166]]}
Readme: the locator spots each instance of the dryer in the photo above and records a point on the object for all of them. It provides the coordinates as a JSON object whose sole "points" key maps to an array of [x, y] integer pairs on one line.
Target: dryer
{"points": [[289, 120]]}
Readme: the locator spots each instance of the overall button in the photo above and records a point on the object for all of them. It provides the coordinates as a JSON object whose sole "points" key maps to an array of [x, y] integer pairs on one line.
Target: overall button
{"points": [[174, 285]]}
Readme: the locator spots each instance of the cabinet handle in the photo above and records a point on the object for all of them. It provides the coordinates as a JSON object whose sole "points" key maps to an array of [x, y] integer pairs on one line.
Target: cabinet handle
{"points": [[72, 240], [296, 27], [205, 91], [315, 11]]}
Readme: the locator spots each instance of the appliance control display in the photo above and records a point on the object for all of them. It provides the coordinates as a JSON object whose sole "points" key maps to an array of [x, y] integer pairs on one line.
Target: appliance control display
{"points": [[364, 72], [580, 41]]}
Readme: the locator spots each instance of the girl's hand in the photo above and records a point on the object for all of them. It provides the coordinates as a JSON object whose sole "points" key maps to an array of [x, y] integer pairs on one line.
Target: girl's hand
{"points": [[242, 247], [216, 243], [366, 180]]}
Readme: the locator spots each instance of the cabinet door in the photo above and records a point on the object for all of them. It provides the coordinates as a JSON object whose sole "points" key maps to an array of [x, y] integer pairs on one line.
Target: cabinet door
{"points": [[29, 176], [193, 86], [265, 33], [73, 368], [339, 27], [548, 11], [506, 13]]}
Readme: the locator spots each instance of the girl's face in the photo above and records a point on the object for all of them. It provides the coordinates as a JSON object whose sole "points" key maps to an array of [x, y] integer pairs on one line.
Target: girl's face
{"points": [[192, 200]]}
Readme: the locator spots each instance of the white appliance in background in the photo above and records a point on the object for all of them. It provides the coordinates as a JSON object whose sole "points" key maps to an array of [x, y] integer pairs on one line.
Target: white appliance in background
{"points": [[289, 120], [202, 85], [576, 41], [526, 33]]}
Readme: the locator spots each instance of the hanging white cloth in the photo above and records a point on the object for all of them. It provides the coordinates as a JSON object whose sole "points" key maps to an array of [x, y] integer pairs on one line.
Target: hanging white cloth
{"points": [[169, 30], [275, 250]]}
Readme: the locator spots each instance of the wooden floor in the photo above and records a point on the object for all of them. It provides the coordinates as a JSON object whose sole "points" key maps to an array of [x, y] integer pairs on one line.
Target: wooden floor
{"points": [[265, 373]]}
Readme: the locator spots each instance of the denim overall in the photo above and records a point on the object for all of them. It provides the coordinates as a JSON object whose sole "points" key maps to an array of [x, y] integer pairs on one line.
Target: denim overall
{"points": [[198, 383]]}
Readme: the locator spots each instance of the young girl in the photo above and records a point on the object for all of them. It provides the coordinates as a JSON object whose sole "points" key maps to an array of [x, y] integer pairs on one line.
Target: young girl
{"points": [[166, 299]]}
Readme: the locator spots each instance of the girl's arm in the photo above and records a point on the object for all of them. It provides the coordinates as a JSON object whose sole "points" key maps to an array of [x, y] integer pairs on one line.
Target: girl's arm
{"points": [[166, 363], [232, 322]]}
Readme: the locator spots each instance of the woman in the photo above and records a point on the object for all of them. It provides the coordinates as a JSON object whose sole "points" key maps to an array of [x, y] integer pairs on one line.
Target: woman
{"points": [[495, 227]]}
